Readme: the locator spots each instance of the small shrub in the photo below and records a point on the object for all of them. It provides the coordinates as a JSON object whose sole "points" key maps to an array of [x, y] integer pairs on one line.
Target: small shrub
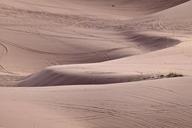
{"points": [[172, 74]]}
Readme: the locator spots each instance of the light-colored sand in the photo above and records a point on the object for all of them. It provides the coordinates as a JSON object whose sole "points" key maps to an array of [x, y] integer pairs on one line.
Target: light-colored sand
{"points": [[150, 104], [29, 29], [59, 43], [158, 32]]}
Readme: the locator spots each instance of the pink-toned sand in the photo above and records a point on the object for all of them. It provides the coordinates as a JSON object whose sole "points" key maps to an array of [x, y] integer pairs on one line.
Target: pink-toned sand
{"points": [[92, 64]]}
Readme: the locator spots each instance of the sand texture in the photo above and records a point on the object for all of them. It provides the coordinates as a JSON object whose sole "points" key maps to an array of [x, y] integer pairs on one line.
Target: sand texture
{"points": [[95, 63]]}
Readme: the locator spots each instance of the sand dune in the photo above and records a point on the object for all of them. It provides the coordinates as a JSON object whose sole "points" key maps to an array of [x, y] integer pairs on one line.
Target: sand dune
{"points": [[75, 63], [146, 37], [29, 29]]}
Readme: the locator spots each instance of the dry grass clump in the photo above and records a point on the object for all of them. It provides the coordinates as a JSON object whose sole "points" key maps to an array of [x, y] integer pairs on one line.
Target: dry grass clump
{"points": [[170, 75]]}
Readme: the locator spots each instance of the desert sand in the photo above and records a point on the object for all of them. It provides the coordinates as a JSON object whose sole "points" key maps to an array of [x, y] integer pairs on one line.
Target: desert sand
{"points": [[95, 64]]}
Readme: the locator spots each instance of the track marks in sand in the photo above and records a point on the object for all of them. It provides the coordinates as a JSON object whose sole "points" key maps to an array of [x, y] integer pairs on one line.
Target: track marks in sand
{"points": [[3, 54], [97, 113], [137, 105], [62, 54], [9, 79]]}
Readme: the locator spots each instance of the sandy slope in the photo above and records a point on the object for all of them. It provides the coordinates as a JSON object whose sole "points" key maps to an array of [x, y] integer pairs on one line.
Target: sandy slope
{"points": [[28, 30], [149, 33], [149, 104], [132, 39]]}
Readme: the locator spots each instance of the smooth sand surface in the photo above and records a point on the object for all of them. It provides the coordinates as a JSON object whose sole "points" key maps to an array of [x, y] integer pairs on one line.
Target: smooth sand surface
{"points": [[75, 63], [150, 104]]}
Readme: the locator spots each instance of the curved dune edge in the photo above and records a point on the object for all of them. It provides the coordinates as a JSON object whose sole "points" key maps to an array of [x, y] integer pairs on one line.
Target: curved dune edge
{"points": [[136, 44], [52, 77], [61, 75]]}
